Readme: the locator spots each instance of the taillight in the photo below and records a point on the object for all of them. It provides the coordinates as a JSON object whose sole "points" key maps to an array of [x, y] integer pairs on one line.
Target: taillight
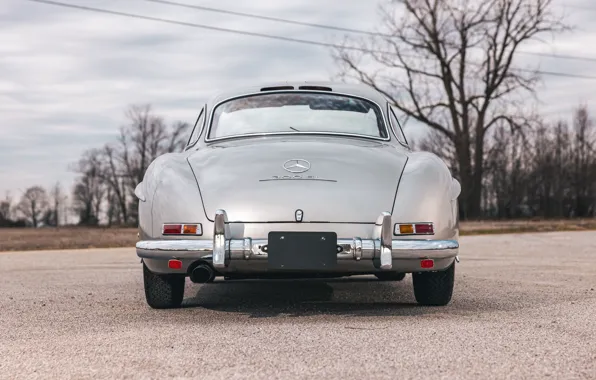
{"points": [[424, 228], [413, 229], [182, 229], [172, 229]]}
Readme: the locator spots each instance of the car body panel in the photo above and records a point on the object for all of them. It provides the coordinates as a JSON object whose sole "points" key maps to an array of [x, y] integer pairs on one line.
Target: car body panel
{"points": [[354, 182]]}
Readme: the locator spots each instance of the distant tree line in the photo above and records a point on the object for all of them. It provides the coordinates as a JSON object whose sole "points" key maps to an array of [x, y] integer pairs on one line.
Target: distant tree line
{"points": [[106, 177], [547, 171], [36, 207]]}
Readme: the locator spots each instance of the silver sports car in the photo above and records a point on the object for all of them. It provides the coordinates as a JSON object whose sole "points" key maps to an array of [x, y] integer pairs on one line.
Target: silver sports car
{"points": [[298, 180]]}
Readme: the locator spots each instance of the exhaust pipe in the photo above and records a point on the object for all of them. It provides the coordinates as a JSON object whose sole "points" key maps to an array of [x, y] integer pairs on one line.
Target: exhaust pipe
{"points": [[202, 274]]}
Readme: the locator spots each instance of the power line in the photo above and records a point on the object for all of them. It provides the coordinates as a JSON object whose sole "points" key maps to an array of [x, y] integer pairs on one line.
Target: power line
{"points": [[269, 18], [255, 34], [194, 25], [342, 29]]}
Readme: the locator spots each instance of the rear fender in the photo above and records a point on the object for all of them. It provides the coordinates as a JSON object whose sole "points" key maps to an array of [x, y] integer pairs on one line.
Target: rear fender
{"points": [[171, 196], [427, 193]]}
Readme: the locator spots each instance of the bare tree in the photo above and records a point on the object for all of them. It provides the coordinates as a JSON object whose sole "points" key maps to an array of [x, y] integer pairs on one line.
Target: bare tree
{"points": [[89, 190], [583, 160], [450, 65], [57, 198], [506, 175], [33, 204], [144, 139], [115, 177], [6, 210], [113, 212], [110, 174]]}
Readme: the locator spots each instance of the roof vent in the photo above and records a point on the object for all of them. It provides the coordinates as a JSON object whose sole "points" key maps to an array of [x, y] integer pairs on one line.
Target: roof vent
{"points": [[315, 88], [277, 88]]}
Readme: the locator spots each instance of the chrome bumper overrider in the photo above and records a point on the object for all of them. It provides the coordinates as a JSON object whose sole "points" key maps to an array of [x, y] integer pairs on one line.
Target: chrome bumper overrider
{"points": [[222, 249]]}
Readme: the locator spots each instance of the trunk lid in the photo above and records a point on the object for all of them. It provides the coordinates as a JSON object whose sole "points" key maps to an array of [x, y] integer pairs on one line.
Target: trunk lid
{"points": [[330, 179]]}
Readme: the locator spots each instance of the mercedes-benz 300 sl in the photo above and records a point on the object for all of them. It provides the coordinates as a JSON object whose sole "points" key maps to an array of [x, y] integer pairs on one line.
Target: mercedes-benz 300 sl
{"points": [[298, 180]]}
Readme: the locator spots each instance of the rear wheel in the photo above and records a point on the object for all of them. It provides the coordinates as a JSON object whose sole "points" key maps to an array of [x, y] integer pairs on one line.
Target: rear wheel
{"points": [[163, 291], [390, 276], [434, 288]]}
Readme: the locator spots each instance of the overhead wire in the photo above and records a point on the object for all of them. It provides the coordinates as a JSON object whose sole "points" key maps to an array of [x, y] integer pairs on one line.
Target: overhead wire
{"points": [[340, 28], [262, 35]]}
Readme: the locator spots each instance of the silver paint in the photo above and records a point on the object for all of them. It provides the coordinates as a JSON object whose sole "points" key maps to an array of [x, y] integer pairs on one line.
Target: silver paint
{"points": [[352, 180]]}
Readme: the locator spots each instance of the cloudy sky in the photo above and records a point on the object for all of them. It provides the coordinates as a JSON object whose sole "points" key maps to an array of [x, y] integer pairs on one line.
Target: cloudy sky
{"points": [[67, 75]]}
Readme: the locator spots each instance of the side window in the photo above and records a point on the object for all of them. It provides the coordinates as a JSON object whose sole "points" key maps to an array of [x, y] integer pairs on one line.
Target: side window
{"points": [[196, 132], [397, 127]]}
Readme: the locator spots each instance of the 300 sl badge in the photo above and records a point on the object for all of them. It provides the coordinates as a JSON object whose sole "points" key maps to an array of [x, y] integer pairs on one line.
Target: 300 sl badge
{"points": [[296, 177]]}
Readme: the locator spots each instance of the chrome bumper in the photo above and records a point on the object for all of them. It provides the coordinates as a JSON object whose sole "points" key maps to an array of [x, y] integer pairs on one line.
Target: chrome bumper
{"points": [[221, 249]]}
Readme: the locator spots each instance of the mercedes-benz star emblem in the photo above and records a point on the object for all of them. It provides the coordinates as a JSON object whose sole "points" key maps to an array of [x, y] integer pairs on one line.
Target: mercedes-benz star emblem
{"points": [[296, 165]]}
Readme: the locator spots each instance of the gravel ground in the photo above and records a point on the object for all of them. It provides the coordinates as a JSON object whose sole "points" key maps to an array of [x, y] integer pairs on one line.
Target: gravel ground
{"points": [[524, 307]]}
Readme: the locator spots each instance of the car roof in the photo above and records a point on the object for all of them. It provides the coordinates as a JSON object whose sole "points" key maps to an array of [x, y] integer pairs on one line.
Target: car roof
{"points": [[360, 90]]}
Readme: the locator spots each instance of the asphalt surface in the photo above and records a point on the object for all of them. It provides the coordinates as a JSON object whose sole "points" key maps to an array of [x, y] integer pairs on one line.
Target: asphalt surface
{"points": [[524, 307]]}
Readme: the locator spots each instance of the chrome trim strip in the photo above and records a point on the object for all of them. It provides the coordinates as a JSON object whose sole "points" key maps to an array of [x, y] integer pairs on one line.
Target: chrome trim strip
{"points": [[298, 179], [389, 112], [210, 119], [202, 126]]}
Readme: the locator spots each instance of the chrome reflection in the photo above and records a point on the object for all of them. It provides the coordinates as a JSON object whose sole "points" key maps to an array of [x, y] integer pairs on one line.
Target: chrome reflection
{"points": [[221, 230]]}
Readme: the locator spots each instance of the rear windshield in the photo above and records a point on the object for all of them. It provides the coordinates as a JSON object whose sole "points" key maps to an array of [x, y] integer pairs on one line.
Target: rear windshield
{"points": [[297, 113]]}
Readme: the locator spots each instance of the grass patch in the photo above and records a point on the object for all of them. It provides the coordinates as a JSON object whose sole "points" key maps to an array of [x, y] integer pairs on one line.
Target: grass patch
{"points": [[525, 226], [26, 239]]}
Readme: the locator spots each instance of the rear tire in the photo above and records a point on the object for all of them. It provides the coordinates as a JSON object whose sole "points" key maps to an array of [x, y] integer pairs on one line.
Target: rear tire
{"points": [[163, 291], [390, 276], [434, 288]]}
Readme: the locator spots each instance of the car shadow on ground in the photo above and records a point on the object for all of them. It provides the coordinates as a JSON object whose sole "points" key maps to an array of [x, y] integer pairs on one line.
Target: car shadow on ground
{"points": [[301, 298]]}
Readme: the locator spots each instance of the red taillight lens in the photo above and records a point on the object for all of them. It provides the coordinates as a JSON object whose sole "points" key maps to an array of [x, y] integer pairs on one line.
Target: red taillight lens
{"points": [[424, 228], [172, 229], [175, 264], [427, 263]]}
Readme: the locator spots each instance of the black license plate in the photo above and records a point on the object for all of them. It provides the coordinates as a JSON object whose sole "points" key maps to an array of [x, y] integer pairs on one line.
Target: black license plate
{"points": [[302, 250]]}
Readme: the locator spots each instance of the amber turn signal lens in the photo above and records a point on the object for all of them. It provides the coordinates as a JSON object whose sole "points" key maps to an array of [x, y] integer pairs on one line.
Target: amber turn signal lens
{"points": [[190, 229], [406, 228]]}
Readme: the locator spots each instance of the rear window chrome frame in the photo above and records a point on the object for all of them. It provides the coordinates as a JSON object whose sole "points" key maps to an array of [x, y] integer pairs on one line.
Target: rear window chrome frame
{"points": [[384, 115], [201, 127], [390, 111]]}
